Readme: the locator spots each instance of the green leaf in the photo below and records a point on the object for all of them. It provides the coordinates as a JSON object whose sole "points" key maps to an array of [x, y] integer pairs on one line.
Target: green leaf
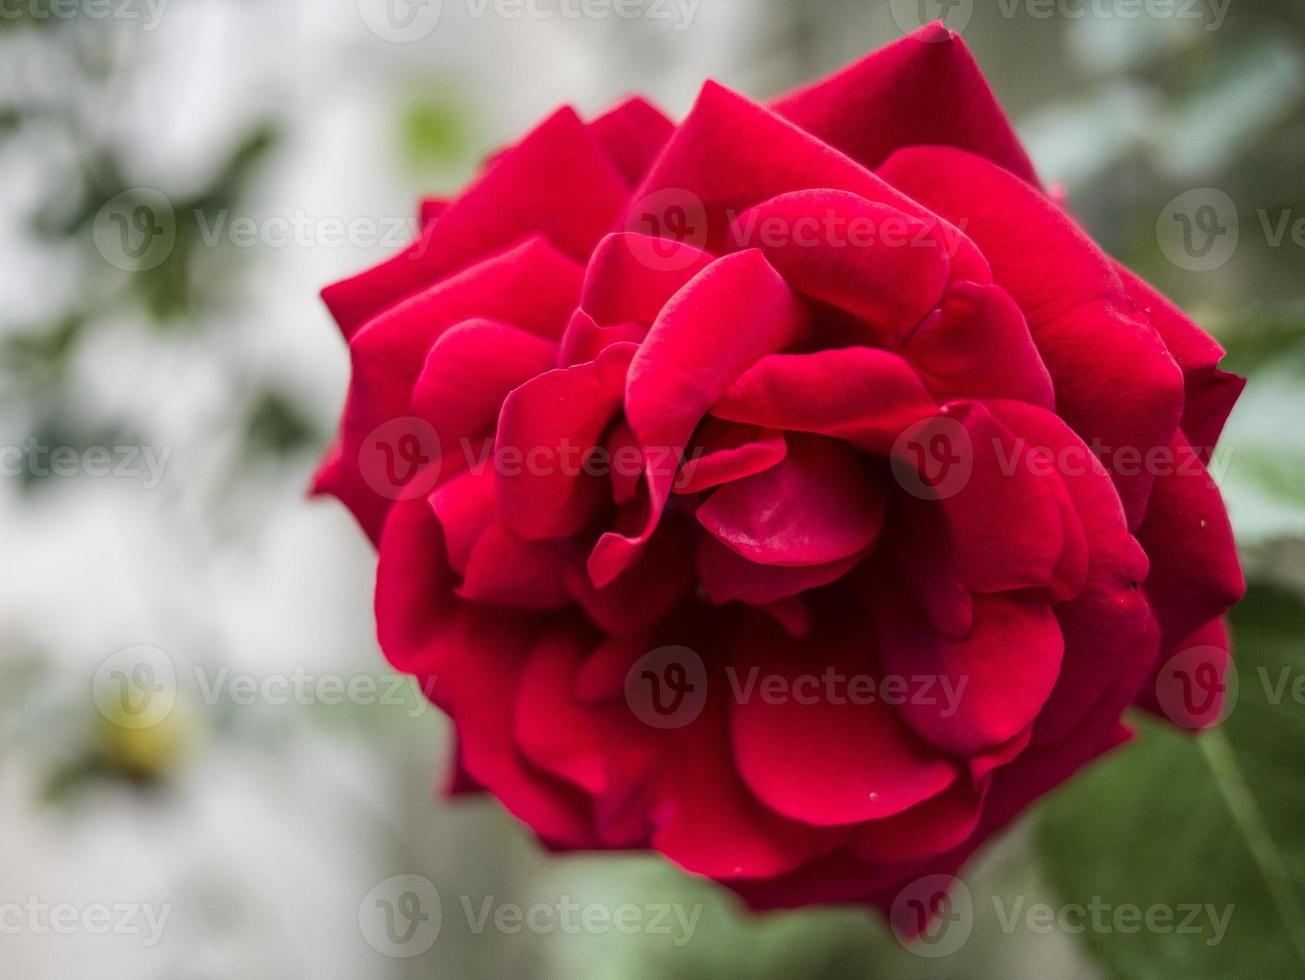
{"points": [[1216, 820]]}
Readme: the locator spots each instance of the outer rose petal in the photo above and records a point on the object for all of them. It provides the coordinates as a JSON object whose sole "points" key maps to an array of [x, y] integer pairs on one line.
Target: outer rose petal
{"points": [[1000, 675], [1109, 625], [486, 655], [832, 761], [531, 286], [923, 89], [557, 182], [730, 154], [1211, 393], [1115, 380], [632, 133], [1195, 572], [414, 588], [470, 370]]}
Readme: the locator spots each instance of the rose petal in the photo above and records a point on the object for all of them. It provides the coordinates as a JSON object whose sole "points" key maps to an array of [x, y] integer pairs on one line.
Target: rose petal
{"points": [[826, 761], [818, 506], [923, 89], [858, 394]]}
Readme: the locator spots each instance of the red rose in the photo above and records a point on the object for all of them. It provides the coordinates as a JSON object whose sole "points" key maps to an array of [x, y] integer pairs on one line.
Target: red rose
{"points": [[796, 491]]}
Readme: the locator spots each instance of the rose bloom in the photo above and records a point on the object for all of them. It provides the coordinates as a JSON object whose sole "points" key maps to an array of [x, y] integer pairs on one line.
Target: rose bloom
{"points": [[795, 491]]}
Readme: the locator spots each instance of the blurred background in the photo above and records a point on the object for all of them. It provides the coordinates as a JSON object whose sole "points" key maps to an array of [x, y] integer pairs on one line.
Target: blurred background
{"points": [[182, 176]]}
